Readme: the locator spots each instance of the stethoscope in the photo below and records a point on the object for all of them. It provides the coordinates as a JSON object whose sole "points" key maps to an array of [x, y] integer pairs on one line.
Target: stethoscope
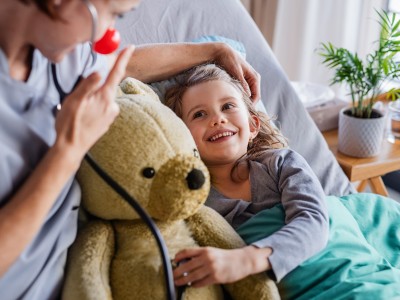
{"points": [[106, 45]]}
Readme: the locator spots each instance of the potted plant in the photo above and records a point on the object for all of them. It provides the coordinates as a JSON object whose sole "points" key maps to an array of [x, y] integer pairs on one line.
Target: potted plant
{"points": [[361, 127]]}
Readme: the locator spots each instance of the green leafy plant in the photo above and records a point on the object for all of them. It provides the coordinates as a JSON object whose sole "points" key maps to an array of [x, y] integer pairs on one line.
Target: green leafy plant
{"points": [[365, 78]]}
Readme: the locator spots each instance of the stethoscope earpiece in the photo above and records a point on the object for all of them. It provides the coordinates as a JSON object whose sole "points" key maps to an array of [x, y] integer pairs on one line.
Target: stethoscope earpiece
{"points": [[108, 43]]}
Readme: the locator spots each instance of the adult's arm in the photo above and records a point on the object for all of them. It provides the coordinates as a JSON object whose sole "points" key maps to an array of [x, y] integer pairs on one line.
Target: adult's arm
{"points": [[24, 214], [155, 62], [86, 115]]}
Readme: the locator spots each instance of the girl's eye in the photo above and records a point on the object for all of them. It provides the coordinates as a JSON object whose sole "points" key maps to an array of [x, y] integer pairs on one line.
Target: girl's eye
{"points": [[198, 114], [227, 106]]}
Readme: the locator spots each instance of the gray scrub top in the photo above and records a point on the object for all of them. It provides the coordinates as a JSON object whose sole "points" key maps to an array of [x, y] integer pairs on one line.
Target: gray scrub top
{"points": [[26, 133]]}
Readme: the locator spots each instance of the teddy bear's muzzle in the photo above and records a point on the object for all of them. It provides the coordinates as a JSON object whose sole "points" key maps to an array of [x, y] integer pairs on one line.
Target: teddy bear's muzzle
{"points": [[179, 188]]}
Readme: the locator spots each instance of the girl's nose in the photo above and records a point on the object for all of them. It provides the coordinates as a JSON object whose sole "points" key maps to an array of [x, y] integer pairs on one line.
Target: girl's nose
{"points": [[218, 119]]}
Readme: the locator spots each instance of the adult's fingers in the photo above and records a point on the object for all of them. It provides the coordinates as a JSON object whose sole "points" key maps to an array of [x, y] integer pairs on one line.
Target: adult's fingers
{"points": [[251, 85], [118, 70], [253, 80], [87, 86], [245, 84], [255, 87]]}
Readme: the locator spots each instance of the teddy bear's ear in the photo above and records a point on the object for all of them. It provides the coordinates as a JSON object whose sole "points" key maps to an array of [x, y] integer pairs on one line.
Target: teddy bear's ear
{"points": [[132, 86]]}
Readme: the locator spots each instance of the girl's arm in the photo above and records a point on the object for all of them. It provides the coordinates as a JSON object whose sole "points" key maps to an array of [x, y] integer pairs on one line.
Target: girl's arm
{"points": [[305, 232], [86, 115], [156, 62], [215, 263], [306, 217]]}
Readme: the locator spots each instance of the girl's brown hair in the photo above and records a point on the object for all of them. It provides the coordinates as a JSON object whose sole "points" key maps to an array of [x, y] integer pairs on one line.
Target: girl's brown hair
{"points": [[268, 137]]}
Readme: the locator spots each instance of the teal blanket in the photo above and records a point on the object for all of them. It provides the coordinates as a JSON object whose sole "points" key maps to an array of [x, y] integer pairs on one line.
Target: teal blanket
{"points": [[361, 259]]}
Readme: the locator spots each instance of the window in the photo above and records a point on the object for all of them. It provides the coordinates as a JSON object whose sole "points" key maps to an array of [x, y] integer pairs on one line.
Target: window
{"points": [[393, 6]]}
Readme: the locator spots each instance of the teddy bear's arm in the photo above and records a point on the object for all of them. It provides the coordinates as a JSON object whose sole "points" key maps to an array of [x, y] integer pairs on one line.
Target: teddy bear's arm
{"points": [[88, 267], [209, 228]]}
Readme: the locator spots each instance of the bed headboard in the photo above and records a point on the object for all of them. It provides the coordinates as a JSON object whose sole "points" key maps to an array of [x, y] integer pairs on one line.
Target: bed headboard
{"points": [[162, 21]]}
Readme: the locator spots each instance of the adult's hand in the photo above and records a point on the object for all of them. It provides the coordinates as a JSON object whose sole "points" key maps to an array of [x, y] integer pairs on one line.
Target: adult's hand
{"points": [[90, 109], [155, 62], [237, 67], [86, 114]]}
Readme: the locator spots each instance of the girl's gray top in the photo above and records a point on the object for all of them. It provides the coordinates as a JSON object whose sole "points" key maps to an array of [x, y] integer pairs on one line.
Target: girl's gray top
{"points": [[282, 176], [26, 133]]}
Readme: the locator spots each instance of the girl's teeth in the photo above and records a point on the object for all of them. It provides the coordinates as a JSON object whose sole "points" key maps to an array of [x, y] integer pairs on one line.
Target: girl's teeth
{"points": [[215, 137]]}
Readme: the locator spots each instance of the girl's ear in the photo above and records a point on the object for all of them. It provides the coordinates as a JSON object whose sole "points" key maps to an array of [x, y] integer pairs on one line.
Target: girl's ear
{"points": [[254, 126]]}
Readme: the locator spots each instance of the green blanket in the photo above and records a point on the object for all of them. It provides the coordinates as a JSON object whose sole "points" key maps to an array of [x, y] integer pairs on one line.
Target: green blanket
{"points": [[361, 259]]}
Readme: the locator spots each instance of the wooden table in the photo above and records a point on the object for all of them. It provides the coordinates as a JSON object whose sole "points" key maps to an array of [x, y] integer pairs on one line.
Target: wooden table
{"points": [[367, 170]]}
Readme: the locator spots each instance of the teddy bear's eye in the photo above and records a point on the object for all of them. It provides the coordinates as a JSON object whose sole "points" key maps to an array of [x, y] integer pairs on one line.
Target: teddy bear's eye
{"points": [[148, 172], [196, 153]]}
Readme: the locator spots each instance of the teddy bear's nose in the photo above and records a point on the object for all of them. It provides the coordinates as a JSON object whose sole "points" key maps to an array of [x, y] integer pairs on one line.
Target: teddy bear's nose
{"points": [[195, 179]]}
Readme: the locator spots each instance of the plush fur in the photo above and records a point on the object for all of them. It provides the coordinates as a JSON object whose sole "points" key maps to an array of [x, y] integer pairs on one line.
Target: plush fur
{"points": [[115, 255]]}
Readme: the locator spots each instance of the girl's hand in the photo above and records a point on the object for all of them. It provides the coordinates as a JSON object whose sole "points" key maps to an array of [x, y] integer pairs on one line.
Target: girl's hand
{"points": [[89, 110], [208, 265], [237, 67]]}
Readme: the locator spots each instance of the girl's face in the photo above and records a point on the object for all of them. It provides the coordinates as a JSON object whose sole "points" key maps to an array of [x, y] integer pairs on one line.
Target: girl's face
{"points": [[57, 38], [219, 121]]}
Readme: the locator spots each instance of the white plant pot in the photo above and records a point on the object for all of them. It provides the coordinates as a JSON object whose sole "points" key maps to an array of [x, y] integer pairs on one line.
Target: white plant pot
{"points": [[360, 137]]}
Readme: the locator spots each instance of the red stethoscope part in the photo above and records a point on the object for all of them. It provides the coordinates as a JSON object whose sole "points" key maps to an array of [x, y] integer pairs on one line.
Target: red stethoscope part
{"points": [[108, 43]]}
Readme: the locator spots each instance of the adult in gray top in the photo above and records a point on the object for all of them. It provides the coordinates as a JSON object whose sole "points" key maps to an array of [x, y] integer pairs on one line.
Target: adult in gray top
{"points": [[39, 152], [250, 171]]}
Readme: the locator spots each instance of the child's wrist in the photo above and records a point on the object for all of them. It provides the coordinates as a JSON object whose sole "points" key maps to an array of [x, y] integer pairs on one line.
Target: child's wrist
{"points": [[259, 261]]}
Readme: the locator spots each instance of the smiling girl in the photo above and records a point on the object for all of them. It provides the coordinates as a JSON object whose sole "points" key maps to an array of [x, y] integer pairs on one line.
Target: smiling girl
{"points": [[251, 170]]}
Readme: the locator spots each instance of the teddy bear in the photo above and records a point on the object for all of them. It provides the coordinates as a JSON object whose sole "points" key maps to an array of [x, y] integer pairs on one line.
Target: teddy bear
{"points": [[150, 152]]}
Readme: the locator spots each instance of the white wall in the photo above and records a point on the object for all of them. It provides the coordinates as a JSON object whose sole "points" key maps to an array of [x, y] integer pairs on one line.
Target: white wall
{"points": [[301, 25]]}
